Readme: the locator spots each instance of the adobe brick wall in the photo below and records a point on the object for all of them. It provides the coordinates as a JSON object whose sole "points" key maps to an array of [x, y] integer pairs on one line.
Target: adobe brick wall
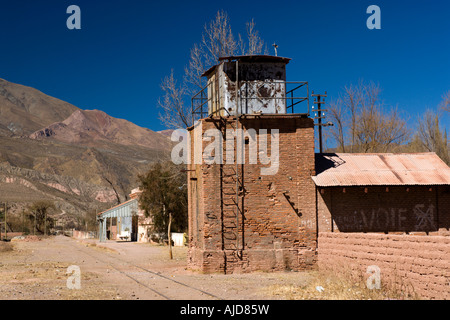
{"points": [[274, 233], [384, 209], [412, 264]]}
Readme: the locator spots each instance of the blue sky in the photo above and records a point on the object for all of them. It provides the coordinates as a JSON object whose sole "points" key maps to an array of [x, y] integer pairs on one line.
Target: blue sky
{"points": [[116, 62]]}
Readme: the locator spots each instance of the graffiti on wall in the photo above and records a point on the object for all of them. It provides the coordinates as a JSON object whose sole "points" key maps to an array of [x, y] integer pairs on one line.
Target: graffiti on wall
{"points": [[424, 217], [420, 218]]}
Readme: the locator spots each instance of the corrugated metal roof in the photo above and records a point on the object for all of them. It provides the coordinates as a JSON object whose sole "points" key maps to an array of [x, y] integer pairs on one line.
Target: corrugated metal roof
{"points": [[126, 209], [356, 169]]}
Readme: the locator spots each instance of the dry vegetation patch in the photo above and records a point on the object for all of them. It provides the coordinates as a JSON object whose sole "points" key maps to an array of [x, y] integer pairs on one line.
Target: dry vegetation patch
{"points": [[327, 286], [48, 280]]}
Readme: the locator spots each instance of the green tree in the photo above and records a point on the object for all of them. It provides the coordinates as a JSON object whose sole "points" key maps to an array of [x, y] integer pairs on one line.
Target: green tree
{"points": [[164, 198]]}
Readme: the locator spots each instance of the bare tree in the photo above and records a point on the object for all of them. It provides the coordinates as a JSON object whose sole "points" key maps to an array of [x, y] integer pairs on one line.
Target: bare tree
{"points": [[378, 131], [445, 104], [193, 80], [217, 41], [344, 113], [430, 137], [255, 43], [361, 122], [174, 114], [336, 114]]}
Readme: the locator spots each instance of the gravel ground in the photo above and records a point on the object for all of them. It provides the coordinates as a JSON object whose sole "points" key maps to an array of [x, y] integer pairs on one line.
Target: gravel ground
{"points": [[37, 270]]}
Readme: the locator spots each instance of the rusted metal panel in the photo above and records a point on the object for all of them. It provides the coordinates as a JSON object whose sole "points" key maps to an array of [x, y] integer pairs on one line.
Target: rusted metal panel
{"points": [[345, 169], [261, 88], [249, 85]]}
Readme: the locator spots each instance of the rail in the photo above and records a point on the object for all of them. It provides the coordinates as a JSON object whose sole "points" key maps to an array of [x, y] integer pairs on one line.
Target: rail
{"points": [[295, 93]]}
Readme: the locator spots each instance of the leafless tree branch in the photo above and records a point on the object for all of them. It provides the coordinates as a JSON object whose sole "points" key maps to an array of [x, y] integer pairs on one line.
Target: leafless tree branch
{"points": [[217, 41], [175, 114], [362, 124]]}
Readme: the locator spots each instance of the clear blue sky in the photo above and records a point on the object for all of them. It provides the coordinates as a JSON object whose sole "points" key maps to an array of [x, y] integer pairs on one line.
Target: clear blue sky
{"points": [[116, 62]]}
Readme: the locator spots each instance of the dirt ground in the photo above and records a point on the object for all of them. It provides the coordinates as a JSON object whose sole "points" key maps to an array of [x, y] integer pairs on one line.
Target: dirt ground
{"points": [[38, 270]]}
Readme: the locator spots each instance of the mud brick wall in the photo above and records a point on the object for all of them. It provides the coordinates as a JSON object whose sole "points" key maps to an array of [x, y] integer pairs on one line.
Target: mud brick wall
{"points": [[276, 222], [412, 264], [384, 209]]}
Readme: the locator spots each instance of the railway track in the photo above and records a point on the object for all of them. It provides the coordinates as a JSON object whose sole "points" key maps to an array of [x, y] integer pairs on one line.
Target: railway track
{"points": [[159, 280]]}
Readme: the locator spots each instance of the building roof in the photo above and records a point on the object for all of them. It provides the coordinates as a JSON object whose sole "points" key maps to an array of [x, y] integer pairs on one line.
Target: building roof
{"points": [[249, 58], [126, 209], [380, 169], [257, 58]]}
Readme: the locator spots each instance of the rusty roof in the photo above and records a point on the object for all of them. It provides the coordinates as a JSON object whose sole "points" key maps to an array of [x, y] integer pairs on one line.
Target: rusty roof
{"points": [[249, 58], [377, 169], [257, 58]]}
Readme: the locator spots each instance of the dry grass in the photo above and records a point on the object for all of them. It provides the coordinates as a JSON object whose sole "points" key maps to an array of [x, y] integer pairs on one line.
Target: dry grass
{"points": [[98, 247], [178, 253], [335, 287], [48, 280]]}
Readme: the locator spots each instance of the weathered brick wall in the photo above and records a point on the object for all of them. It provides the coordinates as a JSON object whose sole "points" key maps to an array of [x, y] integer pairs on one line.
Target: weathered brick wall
{"points": [[411, 264], [277, 229], [384, 209]]}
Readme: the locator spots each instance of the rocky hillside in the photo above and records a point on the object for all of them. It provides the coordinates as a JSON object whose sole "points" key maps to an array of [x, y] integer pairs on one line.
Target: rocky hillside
{"points": [[24, 110], [95, 128], [81, 160]]}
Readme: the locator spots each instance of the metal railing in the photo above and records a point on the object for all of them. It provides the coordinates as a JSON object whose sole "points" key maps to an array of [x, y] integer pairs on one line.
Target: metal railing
{"points": [[293, 96]]}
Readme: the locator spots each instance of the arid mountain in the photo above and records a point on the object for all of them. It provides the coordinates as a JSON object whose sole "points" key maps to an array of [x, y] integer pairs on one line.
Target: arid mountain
{"points": [[167, 132], [83, 161], [23, 110], [93, 128]]}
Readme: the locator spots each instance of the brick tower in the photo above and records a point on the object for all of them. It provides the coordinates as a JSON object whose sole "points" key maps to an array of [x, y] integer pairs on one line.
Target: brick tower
{"points": [[251, 196]]}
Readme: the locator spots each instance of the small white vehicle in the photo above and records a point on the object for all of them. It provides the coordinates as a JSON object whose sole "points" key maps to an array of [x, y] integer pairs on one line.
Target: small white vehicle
{"points": [[124, 235]]}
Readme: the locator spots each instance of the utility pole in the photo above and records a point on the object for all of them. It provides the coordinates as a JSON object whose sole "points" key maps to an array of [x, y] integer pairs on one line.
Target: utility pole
{"points": [[6, 225], [23, 221], [1, 230], [319, 100]]}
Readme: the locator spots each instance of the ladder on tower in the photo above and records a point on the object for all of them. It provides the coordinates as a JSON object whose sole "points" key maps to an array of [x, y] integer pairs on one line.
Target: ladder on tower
{"points": [[232, 192]]}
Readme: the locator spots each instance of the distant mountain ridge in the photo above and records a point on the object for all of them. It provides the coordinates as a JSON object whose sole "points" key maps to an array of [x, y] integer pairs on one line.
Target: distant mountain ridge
{"points": [[83, 160], [23, 110], [87, 127]]}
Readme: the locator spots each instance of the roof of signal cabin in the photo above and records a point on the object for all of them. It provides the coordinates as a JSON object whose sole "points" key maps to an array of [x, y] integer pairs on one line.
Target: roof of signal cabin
{"points": [[249, 58], [380, 169]]}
